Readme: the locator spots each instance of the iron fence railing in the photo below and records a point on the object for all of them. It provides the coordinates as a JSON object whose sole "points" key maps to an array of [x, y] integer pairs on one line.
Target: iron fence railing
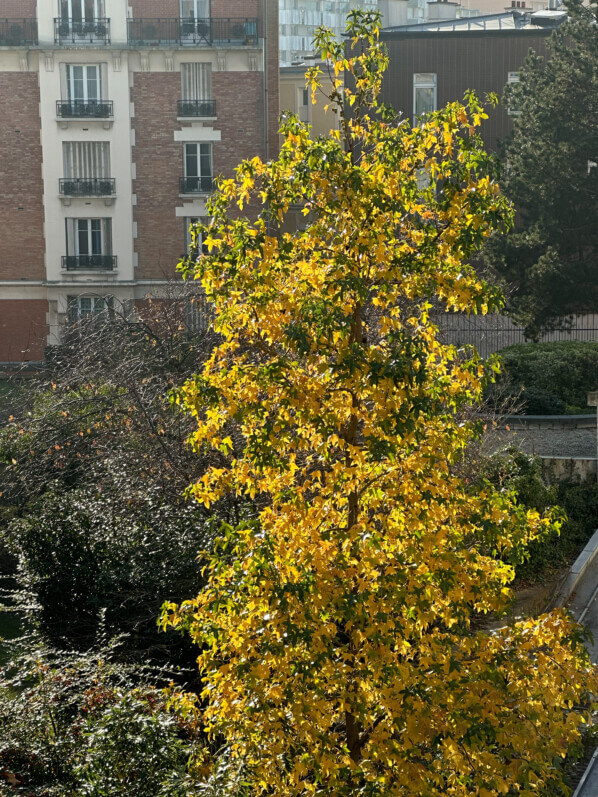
{"points": [[152, 32], [18, 32], [81, 31], [196, 185], [89, 262], [492, 333], [196, 109], [79, 186], [85, 109]]}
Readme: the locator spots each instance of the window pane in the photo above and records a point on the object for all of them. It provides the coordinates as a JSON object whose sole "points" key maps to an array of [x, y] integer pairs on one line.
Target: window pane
{"points": [[82, 237], [424, 100], [191, 160], [93, 83], [206, 160], [84, 305], [96, 237]]}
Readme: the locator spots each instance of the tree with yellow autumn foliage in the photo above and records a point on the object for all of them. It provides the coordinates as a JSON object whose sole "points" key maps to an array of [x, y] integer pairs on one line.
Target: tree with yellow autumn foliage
{"points": [[338, 646]]}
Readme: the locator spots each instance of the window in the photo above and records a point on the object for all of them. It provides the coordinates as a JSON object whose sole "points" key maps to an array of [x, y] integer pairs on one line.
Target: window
{"points": [[512, 79], [83, 83], [81, 10], [195, 9], [303, 104], [86, 159], [189, 220], [197, 160], [197, 315], [88, 236], [196, 82], [80, 307], [424, 93]]}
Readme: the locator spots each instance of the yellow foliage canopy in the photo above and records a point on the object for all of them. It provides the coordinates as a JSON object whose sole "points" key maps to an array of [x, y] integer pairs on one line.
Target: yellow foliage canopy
{"points": [[335, 631]]}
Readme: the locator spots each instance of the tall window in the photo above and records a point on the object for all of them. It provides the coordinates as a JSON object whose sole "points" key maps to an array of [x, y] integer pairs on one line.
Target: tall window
{"points": [[83, 82], [303, 103], [198, 167], [424, 93], [189, 220], [196, 82], [195, 9], [81, 10], [88, 237], [86, 159], [512, 109]]}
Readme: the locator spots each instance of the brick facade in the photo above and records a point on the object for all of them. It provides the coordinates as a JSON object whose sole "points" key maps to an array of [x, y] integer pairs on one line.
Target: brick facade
{"points": [[23, 330], [152, 9], [21, 209], [158, 162], [18, 9]]}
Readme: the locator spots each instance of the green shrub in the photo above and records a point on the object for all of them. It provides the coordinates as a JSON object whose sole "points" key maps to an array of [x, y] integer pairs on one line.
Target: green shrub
{"points": [[81, 725], [111, 556], [550, 378], [576, 504]]}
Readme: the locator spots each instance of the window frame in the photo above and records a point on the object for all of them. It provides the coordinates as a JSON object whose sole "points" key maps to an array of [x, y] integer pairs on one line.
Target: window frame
{"points": [[420, 83], [70, 83]]}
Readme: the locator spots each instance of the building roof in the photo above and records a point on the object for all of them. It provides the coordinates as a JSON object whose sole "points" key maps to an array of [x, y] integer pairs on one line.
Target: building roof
{"points": [[506, 21]]}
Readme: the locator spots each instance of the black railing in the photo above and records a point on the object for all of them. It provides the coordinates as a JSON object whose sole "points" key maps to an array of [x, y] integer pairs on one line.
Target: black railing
{"points": [[95, 186], [85, 109], [196, 108], [18, 32], [89, 262], [196, 185], [192, 32], [81, 31]]}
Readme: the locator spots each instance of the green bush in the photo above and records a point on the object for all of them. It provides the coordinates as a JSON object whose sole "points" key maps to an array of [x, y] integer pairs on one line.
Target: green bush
{"points": [[82, 725], [576, 504], [111, 556], [550, 378]]}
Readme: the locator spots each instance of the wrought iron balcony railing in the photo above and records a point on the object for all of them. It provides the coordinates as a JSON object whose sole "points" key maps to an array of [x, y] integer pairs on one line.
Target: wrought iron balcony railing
{"points": [[193, 32], [89, 262], [196, 109], [196, 185], [85, 109], [79, 186], [18, 32], [81, 31]]}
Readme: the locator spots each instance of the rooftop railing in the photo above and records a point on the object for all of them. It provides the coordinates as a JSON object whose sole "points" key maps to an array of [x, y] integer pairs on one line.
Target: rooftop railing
{"points": [[191, 32]]}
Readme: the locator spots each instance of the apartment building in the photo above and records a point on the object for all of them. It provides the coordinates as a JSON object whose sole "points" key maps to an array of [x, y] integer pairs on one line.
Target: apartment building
{"points": [[299, 20], [118, 114]]}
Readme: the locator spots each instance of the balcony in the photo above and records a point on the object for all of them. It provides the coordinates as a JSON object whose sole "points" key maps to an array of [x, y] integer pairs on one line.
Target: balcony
{"points": [[89, 262], [18, 32], [196, 109], [95, 186], [196, 185], [232, 31], [89, 110], [82, 31]]}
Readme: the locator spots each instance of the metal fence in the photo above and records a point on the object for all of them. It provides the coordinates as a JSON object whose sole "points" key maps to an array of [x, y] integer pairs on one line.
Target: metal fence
{"points": [[493, 332]]}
